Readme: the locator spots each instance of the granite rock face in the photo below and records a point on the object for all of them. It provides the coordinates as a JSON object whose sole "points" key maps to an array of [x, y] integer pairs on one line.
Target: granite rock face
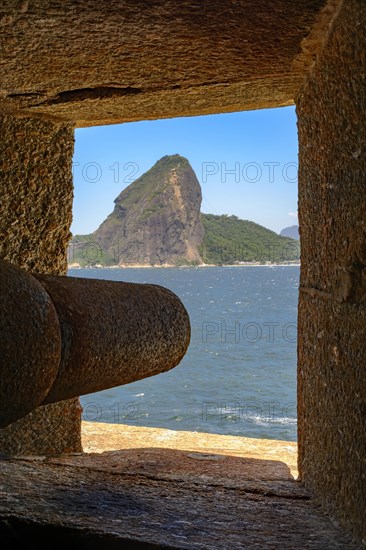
{"points": [[156, 219]]}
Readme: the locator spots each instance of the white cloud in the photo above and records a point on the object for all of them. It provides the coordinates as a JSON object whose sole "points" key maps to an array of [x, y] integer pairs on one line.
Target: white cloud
{"points": [[293, 214]]}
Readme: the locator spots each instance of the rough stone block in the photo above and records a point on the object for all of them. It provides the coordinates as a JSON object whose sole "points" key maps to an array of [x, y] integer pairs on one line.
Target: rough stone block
{"points": [[35, 217], [332, 317]]}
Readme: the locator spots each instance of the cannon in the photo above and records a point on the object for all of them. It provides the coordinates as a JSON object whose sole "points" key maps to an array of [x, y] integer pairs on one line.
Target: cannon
{"points": [[62, 337]]}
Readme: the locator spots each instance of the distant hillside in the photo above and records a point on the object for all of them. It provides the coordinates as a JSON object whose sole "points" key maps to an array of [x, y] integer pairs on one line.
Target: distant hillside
{"points": [[229, 240], [157, 221], [292, 232]]}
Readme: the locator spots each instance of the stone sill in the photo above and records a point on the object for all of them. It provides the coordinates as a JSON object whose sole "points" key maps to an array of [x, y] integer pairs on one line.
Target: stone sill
{"points": [[155, 488], [245, 457]]}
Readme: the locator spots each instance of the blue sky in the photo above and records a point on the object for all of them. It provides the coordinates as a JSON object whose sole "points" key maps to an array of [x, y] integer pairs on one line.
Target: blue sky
{"points": [[245, 162]]}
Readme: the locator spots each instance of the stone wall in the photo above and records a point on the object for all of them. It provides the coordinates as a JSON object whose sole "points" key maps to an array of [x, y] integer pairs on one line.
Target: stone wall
{"points": [[332, 305], [116, 61], [35, 217]]}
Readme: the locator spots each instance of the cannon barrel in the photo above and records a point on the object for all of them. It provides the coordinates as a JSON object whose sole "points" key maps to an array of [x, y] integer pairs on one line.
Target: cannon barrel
{"points": [[62, 337]]}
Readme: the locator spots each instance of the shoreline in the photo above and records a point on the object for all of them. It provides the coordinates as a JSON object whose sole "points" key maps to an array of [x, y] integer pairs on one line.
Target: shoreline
{"points": [[169, 266]]}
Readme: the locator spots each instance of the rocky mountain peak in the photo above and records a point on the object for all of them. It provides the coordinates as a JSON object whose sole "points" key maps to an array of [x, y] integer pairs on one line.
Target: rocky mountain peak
{"points": [[156, 220]]}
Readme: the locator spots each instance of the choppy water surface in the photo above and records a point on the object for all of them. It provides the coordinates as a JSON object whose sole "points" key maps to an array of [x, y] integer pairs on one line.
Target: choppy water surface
{"points": [[239, 374]]}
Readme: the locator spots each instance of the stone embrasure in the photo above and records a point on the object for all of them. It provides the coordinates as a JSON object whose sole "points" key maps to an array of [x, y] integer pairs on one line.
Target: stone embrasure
{"points": [[36, 193], [104, 62]]}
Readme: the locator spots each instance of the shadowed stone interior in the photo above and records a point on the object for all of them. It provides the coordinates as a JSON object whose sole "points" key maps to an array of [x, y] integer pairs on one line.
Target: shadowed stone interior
{"points": [[154, 488]]}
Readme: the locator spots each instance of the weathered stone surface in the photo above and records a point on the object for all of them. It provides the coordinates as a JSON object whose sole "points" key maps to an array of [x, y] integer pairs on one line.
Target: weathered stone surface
{"points": [[332, 315], [48, 430], [332, 407], [30, 343], [35, 217], [117, 61], [160, 488], [36, 193], [204, 449], [113, 333]]}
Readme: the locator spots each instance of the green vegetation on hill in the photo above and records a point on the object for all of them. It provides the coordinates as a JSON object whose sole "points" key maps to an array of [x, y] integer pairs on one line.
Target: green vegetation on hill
{"points": [[86, 251], [229, 240]]}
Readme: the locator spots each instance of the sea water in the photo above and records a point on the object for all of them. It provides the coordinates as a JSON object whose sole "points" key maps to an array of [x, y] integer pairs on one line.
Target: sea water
{"points": [[239, 374]]}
